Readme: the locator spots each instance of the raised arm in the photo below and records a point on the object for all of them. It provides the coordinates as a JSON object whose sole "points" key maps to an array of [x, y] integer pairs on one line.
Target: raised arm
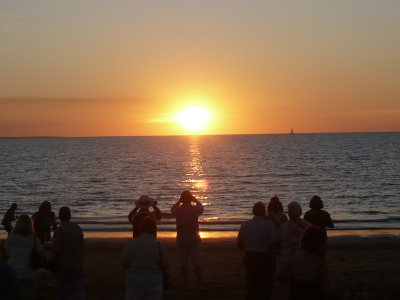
{"points": [[197, 202], [329, 222], [177, 203], [157, 211], [133, 211]]}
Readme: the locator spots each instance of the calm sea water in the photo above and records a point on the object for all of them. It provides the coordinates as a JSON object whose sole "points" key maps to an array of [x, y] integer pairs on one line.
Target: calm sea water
{"points": [[356, 174]]}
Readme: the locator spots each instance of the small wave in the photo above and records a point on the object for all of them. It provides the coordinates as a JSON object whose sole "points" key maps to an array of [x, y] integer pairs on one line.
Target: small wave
{"points": [[361, 220]]}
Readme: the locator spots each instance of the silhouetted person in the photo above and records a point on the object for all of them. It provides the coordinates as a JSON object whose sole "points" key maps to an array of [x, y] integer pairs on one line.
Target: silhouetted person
{"points": [[9, 283], [141, 257], [320, 218], [18, 246], [275, 213], [67, 246], [257, 237], [188, 236], [141, 211], [308, 275], [290, 232], [43, 220], [9, 217]]}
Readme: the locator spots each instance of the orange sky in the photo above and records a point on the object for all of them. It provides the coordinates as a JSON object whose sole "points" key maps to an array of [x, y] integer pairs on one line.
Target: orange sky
{"points": [[97, 68]]}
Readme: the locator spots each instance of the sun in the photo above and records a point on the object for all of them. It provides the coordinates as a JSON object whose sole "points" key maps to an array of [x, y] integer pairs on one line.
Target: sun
{"points": [[193, 118]]}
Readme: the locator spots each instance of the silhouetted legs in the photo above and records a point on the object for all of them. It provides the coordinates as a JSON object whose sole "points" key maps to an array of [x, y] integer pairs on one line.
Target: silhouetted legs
{"points": [[260, 269]]}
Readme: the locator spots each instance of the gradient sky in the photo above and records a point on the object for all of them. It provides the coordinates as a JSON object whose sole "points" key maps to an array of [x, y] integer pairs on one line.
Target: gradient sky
{"points": [[105, 68]]}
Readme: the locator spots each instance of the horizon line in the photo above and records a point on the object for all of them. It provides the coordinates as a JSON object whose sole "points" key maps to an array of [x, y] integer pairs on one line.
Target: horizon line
{"points": [[173, 135]]}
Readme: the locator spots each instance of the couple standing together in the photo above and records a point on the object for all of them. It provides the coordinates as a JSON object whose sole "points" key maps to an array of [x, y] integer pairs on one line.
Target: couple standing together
{"points": [[143, 254]]}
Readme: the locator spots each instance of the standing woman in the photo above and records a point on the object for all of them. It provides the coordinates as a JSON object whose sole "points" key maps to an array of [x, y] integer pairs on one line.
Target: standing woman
{"points": [[275, 213], [145, 258], [10, 216], [320, 218], [309, 276], [18, 246], [290, 232], [43, 220]]}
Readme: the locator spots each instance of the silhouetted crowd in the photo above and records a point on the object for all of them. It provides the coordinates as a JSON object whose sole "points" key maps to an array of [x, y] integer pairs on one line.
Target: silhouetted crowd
{"points": [[279, 250]]}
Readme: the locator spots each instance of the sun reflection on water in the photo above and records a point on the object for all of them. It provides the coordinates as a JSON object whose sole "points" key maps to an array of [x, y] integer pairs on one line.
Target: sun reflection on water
{"points": [[195, 172]]}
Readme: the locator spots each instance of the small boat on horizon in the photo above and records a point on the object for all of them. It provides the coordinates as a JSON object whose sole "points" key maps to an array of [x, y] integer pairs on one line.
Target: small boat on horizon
{"points": [[291, 131]]}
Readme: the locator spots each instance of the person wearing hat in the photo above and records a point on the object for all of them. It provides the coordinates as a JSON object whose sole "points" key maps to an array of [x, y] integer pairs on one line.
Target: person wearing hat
{"points": [[275, 213], [141, 211], [290, 232], [257, 237]]}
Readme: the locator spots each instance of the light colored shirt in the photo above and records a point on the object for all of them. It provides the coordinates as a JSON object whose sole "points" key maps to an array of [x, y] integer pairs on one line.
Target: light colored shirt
{"points": [[289, 238], [142, 254], [18, 248], [257, 235], [187, 224]]}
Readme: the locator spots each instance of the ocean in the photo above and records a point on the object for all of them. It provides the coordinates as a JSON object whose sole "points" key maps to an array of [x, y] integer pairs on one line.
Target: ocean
{"points": [[357, 175]]}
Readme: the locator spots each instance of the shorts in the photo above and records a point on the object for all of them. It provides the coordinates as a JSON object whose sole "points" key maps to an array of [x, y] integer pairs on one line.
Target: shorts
{"points": [[192, 252]]}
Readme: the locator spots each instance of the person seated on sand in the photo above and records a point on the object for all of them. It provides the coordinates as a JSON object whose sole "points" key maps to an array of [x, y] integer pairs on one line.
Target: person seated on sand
{"points": [[188, 237], [9, 283], [275, 213], [257, 237], [308, 275], [290, 233], [141, 211], [9, 217], [320, 218], [142, 257]]}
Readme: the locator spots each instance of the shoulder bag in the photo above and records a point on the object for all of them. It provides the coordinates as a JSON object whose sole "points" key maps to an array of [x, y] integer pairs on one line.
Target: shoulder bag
{"points": [[34, 259]]}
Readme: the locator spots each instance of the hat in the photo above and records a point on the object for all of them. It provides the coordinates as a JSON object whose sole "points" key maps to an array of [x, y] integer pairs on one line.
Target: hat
{"points": [[144, 202]]}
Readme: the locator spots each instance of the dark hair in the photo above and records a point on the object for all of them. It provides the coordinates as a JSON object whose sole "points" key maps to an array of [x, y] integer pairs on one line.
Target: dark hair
{"points": [[312, 239], [148, 225], [64, 213], [45, 206], [316, 202], [24, 226], [186, 196], [274, 205], [259, 209], [14, 206]]}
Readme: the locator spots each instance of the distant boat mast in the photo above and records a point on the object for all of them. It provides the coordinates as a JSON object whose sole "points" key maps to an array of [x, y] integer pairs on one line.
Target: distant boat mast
{"points": [[291, 131]]}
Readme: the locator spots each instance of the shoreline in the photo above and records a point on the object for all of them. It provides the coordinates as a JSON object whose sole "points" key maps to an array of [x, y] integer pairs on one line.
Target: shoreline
{"points": [[231, 235]]}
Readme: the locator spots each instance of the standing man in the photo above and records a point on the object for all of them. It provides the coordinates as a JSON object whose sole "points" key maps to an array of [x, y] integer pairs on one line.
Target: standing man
{"points": [[257, 237], [67, 246], [141, 211], [188, 236]]}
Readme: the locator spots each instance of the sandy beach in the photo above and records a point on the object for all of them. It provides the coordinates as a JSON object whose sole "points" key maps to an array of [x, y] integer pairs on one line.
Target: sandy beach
{"points": [[370, 262]]}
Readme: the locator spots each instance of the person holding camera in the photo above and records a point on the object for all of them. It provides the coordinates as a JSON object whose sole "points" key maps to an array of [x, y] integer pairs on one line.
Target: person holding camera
{"points": [[188, 236], [141, 211]]}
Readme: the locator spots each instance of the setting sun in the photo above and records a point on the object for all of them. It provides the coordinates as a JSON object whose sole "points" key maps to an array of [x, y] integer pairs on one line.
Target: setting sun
{"points": [[193, 118]]}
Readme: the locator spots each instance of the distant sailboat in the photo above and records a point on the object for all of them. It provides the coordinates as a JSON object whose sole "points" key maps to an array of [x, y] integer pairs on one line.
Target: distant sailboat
{"points": [[291, 131]]}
